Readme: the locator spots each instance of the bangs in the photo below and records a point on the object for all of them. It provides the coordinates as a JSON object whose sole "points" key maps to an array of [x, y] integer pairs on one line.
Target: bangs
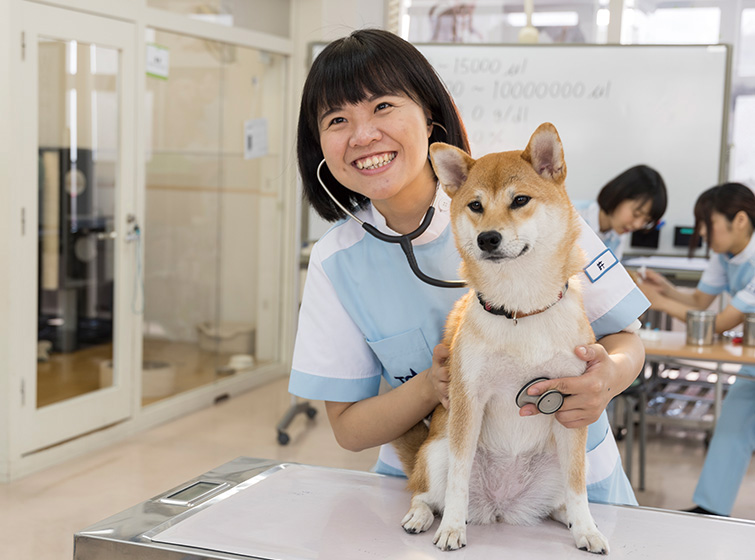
{"points": [[351, 85], [358, 67], [657, 205]]}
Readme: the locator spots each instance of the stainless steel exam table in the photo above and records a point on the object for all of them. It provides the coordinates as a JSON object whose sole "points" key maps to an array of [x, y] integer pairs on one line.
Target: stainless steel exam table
{"points": [[253, 508]]}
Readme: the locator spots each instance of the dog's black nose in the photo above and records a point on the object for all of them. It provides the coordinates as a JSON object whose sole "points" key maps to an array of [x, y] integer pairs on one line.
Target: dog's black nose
{"points": [[489, 241]]}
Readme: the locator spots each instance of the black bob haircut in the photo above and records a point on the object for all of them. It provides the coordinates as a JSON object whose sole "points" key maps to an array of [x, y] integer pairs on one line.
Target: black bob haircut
{"points": [[727, 199], [349, 70], [640, 183]]}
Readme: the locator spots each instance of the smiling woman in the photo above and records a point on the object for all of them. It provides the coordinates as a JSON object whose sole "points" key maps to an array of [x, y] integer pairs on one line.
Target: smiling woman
{"points": [[385, 77], [371, 107]]}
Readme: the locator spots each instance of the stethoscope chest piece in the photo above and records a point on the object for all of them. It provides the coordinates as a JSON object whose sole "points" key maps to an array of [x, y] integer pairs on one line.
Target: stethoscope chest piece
{"points": [[547, 403]]}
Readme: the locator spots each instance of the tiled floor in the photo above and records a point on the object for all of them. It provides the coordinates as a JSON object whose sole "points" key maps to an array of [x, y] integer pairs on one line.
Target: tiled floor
{"points": [[40, 513]]}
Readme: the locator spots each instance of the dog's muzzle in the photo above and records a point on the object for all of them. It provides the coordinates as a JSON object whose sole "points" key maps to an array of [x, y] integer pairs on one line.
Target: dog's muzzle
{"points": [[494, 248]]}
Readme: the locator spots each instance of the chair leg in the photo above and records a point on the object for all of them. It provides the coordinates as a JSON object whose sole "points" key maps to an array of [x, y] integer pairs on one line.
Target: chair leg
{"points": [[643, 404], [629, 423]]}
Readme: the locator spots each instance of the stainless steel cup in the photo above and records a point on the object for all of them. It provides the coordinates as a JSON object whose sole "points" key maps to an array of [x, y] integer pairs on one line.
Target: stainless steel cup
{"points": [[748, 336], [700, 327]]}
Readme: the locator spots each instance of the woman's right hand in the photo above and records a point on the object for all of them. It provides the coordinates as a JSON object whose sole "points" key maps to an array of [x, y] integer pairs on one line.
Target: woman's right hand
{"points": [[438, 373], [658, 281]]}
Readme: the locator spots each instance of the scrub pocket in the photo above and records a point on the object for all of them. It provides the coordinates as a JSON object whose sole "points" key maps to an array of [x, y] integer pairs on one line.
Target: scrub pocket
{"points": [[403, 356]]}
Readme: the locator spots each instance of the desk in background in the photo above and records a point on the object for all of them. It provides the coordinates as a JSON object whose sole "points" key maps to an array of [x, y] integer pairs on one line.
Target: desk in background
{"points": [[679, 269], [722, 358]]}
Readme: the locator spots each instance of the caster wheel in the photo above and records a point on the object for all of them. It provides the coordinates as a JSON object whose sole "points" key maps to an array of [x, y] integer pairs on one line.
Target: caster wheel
{"points": [[311, 413], [283, 438]]}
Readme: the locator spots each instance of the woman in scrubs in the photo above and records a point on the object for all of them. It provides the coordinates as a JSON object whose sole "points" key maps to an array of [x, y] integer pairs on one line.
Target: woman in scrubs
{"points": [[725, 218]]}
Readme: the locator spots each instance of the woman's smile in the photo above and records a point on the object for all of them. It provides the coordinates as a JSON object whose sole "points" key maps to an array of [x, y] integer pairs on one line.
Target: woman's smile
{"points": [[373, 162]]}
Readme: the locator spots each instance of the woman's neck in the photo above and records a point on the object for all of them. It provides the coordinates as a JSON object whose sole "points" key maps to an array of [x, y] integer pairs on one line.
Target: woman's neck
{"points": [[741, 244], [604, 221], [404, 211]]}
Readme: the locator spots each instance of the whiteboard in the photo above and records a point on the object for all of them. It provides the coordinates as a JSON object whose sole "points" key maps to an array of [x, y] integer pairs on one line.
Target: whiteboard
{"points": [[615, 106]]}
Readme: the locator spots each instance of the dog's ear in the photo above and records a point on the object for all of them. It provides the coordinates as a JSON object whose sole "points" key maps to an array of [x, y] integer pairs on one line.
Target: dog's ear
{"points": [[451, 166], [546, 154]]}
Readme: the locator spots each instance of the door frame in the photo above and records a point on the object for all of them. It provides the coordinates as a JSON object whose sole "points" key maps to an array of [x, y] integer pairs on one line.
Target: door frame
{"points": [[55, 423]]}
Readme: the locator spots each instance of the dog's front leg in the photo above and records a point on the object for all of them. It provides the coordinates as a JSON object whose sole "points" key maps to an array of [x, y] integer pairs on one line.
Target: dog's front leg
{"points": [[464, 424], [575, 511]]}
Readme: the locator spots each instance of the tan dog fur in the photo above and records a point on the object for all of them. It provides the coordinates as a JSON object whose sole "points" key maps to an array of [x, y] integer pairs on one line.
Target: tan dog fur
{"points": [[480, 462]]}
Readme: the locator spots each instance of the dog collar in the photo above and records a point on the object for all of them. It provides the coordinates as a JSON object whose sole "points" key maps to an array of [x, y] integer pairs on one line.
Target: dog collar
{"points": [[515, 315]]}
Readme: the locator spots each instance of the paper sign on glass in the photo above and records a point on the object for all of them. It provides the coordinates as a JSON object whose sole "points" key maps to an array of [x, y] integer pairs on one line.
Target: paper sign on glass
{"points": [[255, 138]]}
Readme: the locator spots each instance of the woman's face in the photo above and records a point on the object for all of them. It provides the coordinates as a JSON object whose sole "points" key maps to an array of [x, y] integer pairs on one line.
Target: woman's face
{"points": [[630, 215], [723, 238], [378, 147]]}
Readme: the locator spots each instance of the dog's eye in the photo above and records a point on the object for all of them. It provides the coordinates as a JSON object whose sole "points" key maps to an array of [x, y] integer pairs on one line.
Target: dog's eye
{"points": [[475, 206], [520, 201]]}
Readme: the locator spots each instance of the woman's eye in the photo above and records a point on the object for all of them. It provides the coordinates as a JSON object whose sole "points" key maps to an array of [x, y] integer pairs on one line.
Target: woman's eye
{"points": [[475, 206], [336, 120], [382, 105], [520, 200]]}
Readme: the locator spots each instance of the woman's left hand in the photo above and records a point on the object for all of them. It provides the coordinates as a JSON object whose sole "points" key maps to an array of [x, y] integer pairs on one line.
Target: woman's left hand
{"points": [[587, 395]]}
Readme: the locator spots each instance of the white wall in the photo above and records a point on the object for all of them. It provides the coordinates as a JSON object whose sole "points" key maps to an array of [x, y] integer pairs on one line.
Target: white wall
{"points": [[326, 20], [6, 182]]}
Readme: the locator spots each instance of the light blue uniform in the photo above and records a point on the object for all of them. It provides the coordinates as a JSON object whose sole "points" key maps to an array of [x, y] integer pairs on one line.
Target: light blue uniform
{"points": [[733, 442], [366, 317], [590, 212]]}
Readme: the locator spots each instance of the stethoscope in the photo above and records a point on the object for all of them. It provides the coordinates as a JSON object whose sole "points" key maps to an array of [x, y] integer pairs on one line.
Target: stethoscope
{"points": [[403, 241]]}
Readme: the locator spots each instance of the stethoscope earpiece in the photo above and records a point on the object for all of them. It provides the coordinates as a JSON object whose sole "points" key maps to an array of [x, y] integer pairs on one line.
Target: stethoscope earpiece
{"points": [[547, 403]]}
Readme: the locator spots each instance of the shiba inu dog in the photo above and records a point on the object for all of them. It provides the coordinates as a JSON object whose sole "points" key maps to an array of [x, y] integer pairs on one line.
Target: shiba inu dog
{"points": [[480, 462]]}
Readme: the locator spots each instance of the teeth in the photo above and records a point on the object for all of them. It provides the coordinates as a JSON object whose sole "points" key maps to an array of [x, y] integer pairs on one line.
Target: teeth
{"points": [[375, 162]]}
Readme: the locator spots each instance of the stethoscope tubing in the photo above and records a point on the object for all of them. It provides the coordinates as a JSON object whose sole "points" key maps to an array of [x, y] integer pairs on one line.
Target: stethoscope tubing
{"points": [[403, 241]]}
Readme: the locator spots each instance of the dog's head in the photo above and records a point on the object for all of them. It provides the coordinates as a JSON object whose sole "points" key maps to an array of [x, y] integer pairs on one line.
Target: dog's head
{"points": [[508, 205]]}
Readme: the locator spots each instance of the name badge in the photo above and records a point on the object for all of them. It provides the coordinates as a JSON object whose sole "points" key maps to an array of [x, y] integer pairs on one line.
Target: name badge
{"points": [[600, 265]]}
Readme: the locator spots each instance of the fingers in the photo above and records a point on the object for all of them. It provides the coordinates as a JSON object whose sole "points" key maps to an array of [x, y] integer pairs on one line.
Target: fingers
{"points": [[528, 410], [584, 394], [591, 352], [439, 373], [441, 353]]}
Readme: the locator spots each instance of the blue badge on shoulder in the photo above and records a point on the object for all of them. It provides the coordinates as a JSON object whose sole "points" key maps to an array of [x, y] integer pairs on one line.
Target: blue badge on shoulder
{"points": [[600, 265]]}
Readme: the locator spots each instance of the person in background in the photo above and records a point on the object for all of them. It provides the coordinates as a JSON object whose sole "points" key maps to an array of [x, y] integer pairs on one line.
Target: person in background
{"points": [[370, 108], [725, 218], [634, 200]]}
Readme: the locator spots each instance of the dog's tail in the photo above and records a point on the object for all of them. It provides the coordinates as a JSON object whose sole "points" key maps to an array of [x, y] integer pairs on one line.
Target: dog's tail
{"points": [[408, 445]]}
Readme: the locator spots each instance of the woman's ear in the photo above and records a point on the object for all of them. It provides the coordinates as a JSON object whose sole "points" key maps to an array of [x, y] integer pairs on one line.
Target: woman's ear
{"points": [[741, 220]]}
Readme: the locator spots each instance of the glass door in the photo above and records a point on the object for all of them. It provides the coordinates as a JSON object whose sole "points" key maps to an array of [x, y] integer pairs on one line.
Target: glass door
{"points": [[79, 243], [214, 188]]}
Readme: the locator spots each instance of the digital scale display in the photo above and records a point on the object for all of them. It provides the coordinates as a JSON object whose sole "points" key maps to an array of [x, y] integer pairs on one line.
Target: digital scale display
{"points": [[194, 493]]}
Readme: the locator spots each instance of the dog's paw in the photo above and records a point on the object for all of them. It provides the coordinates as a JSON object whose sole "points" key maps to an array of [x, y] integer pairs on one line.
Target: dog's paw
{"points": [[418, 519], [591, 540], [450, 538]]}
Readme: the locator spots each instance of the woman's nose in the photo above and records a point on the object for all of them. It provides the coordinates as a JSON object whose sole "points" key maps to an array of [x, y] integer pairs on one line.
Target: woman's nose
{"points": [[363, 134]]}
